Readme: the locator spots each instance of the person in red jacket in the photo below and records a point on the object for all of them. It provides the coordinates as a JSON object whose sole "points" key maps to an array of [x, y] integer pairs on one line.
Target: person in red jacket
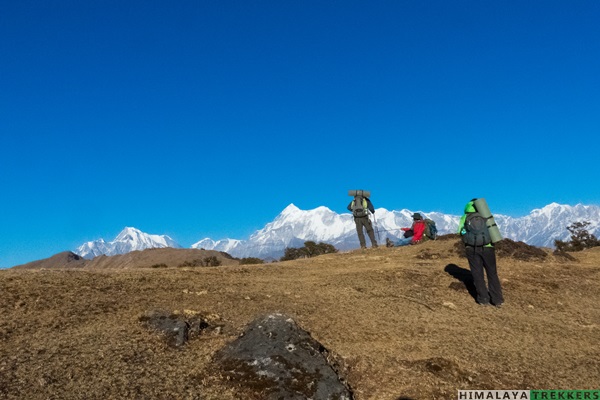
{"points": [[418, 230]]}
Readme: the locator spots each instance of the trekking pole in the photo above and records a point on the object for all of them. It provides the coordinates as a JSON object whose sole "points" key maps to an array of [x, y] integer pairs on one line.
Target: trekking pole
{"points": [[376, 228]]}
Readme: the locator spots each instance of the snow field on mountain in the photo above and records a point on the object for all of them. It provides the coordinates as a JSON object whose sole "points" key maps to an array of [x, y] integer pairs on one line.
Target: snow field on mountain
{"points": [[293, 226]]}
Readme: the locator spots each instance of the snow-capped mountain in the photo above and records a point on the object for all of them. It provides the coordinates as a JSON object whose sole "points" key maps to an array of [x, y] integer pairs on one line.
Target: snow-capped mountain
{"points": [[226, 245], [542, 226], [293, 226], [129, 239]]}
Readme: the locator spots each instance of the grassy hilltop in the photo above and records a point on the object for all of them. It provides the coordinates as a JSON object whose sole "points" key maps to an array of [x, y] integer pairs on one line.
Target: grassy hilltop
{"points": [[399, 323]]}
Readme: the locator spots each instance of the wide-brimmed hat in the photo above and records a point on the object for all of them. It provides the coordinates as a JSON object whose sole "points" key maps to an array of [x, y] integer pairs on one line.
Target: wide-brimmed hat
{"points": [[417, 216]]}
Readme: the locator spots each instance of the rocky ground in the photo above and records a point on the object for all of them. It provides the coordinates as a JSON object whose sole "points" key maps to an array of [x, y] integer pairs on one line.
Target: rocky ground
{"points": [[395, 323]]}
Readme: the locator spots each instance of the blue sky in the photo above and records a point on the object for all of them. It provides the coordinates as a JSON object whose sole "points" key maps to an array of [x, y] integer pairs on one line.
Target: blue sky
{"points": [[205, 119]]}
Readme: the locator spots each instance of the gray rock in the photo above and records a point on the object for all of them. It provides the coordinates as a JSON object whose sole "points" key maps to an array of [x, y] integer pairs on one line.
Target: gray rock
{"points": [[173, 327], [278, 360]]}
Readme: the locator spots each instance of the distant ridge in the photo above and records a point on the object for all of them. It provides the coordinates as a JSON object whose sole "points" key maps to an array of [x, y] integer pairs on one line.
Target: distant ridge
{"points": [[66, 259], [149, 258], [293, 226]]}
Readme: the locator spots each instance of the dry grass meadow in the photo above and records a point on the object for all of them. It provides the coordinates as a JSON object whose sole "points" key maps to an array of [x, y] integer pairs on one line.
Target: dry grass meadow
{"points": [[399, 323]]}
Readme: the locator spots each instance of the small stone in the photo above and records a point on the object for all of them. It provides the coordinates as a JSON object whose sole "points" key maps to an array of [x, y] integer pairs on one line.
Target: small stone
{"points": [[449, 305], [171, 325]]}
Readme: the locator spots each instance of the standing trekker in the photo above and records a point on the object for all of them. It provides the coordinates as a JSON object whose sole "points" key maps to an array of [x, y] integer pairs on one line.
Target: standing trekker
{"points": [[360, 207], [479, 233]]}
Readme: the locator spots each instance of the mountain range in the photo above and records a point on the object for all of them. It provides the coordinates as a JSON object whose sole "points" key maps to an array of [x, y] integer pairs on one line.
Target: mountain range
{"points": [[128, 240], [293, 226]]}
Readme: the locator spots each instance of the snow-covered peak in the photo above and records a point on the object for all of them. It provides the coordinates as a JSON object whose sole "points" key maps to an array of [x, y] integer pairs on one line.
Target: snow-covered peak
{"points": [[129, 233], [289, 210], [141, 240], [129, 239], [549, 210], [226, 245], [198, 244], [293, 214]]}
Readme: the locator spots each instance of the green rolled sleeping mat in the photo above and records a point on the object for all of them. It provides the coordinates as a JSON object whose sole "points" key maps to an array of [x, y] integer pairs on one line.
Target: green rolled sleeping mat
{"points": [[483, 209]]}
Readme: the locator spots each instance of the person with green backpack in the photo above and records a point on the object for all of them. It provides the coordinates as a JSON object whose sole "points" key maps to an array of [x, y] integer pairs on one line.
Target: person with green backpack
{"points": [[478, 232]]}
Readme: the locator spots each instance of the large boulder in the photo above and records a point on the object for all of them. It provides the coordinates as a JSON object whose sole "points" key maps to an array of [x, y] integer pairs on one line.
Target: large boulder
{"points": [[276, 359]]}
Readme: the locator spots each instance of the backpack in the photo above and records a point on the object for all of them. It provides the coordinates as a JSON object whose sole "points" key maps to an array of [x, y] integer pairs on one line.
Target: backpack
{"points": [[477, 233], [430, 229], [359, 207]]}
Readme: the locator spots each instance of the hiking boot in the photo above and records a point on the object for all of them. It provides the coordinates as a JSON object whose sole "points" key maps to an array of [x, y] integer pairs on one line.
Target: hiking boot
{"points": [[388, 243], [484, 304]]}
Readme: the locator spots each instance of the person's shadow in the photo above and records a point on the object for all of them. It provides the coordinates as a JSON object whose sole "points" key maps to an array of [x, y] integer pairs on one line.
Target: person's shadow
{"points": [[464, 276]]}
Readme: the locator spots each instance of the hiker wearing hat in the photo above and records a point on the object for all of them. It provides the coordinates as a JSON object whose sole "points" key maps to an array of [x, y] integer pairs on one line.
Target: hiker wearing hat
{"points": [[412, 235], [481, 254]]}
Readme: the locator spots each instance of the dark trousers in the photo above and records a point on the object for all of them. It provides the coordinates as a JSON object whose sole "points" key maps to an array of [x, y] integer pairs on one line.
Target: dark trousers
{"points": [[366, 223], [481, 258]]}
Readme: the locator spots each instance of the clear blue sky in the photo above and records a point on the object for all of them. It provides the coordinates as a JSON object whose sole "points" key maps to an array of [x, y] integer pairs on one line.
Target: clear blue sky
{"points": [[206, 118]]}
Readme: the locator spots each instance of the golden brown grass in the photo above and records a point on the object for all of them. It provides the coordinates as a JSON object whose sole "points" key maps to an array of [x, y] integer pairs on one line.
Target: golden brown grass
{"points": [[397, 323]]}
